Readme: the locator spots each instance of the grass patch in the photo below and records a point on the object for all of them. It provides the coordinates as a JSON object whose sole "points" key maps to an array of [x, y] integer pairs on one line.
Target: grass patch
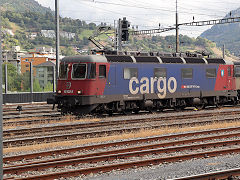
{"points": [[15, 27], [123, 136]]}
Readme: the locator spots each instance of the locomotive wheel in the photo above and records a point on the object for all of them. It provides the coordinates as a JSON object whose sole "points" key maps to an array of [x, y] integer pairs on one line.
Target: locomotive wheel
{"points": [[153, 110], [110, 113], [219, 105], [127, 112], [200, 106], [136, 111]]}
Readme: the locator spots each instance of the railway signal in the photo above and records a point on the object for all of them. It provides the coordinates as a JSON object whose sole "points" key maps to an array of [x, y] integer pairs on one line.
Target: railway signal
{"points": [[124, 27]]}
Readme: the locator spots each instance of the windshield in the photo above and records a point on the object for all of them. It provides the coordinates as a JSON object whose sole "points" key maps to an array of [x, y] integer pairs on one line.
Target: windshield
{"points": [[79, 71], [63, 71]]}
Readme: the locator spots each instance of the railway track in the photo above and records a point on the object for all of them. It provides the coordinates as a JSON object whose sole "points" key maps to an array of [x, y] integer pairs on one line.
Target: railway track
{"points": [[28, 110], [11, 142], [128, 142], [131, 157], [29, 121], [14, 118], [107, 122]]}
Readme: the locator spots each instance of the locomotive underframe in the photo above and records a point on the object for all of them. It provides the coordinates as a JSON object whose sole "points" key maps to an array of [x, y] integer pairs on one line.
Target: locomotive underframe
{"points": [[127, 103]]}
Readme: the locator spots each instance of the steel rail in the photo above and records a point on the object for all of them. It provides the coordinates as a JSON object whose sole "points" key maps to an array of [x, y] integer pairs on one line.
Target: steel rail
{"points": [[152, 146], [33, 121], [24, 131], [26, 108], [110, 157], [31, 115], [74, 136], [126, 142], [121, 166]]}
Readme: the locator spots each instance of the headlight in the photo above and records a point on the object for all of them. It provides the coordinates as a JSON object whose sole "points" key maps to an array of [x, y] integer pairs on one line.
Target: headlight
{"points": [[59, 91], [79, 92]]}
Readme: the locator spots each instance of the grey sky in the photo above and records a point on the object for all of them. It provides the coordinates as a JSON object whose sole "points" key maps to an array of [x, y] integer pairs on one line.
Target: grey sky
{"points": [[147, 14]]}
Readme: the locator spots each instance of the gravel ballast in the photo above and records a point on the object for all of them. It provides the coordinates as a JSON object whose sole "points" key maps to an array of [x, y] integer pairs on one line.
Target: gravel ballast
{"points": [[171, 170]]}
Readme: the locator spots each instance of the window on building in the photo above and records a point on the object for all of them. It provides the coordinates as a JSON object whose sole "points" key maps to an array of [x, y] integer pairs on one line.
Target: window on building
{"points": [[49, 69], [211, 73], [160, 72], [63, 70], [79, 71], [102, 71], [130, 72], [41, 69], [187, 73], [27, 65], [50, 76]]}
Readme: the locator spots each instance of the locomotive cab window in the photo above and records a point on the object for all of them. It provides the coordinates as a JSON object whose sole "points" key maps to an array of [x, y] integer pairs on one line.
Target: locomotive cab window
{"points": [[211, 73], [102, 71], [160, 72], [63, 70], [128, 73], [91, 71], [79, 71], [237, 71], [187, 73]]}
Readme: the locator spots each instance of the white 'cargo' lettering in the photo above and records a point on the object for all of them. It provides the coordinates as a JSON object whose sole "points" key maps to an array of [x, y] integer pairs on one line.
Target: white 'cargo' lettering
{"points": [[134, 79], [144, 87]]}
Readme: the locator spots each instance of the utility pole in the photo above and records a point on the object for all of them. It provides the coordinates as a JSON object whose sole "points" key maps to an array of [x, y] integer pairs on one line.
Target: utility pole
{"points": [[57, 38], [31, 80], [223, 51], [115, 35], [119, 35], [1, 102], [177, 34], [6, 74]]}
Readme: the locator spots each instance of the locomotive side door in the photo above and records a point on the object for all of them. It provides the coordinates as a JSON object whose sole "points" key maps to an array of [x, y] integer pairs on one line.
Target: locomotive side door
{"points": [[230, 77], [111, 82]]}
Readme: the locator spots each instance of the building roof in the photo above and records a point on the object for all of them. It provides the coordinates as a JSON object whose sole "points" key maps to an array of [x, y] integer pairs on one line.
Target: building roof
{"points": [[46, 64]]}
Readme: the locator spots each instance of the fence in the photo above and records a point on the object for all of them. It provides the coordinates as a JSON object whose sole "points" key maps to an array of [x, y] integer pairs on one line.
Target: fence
{"points": [[27, 97], [30, 84]]}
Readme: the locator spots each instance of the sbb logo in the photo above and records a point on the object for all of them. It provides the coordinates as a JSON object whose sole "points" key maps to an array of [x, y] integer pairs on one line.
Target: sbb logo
{"points": [[147, 85]]}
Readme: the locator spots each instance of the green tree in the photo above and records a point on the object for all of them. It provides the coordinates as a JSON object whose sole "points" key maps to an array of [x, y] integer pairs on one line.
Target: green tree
{"points": [[36, 86], [67, 51], [26, 82], [13, 77], [48, 87]]}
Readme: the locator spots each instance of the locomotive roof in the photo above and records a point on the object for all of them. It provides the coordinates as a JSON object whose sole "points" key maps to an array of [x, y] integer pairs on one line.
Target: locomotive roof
{"points": [[144, 59], [85, 58]]}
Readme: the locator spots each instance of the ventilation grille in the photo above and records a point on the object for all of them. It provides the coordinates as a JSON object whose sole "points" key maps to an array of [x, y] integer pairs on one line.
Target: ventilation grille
{"points": [[119, 59], [171, 60], [215, 61], [150, 59], [194, 60]]}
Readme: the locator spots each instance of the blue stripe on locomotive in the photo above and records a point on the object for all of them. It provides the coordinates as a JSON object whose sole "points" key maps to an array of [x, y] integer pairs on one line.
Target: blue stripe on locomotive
{"points": [[116, 84]]}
